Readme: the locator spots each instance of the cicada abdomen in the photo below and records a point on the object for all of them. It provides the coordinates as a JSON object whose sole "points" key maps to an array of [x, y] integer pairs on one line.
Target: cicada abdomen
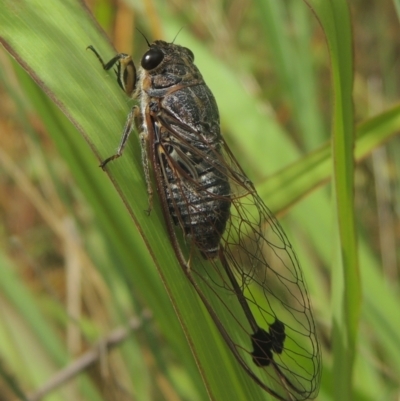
{"points": [[229, 231], [200, 213]]}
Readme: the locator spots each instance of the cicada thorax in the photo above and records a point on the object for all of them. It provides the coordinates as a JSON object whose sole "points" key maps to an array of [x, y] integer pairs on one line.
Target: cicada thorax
{"points": [[181, 113]]}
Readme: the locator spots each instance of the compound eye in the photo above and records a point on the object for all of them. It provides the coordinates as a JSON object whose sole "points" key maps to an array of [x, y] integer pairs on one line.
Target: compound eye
{"points": [[152, 59]]}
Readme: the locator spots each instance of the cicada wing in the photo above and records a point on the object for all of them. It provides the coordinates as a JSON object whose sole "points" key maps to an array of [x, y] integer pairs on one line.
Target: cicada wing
{"points": [[268, 273], [264, 312], [269, 276]]}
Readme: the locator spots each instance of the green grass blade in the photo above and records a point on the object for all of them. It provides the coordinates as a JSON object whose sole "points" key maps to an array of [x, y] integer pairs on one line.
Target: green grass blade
{"points": [[50, 40], [297, 79], [28, 338], [288, 186], [335, 20], [34, 37]]}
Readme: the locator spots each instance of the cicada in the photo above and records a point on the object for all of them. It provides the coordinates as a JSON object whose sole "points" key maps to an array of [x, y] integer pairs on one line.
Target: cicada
{"points": [[234, 250]]}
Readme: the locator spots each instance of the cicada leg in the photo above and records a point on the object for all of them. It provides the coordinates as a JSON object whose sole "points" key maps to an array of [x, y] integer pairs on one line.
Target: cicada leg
{"points": [[134, 120], [130, 122], [125, 70]]}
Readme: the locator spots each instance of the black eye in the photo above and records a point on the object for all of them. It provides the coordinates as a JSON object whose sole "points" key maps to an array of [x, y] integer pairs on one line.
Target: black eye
{"points": [[152, 59]]}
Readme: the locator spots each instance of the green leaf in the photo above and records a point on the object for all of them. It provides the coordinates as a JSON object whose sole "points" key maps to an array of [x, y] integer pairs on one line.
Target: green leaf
{"points": [[334, 17], [40, 38], [289, 185], [49, 41]]}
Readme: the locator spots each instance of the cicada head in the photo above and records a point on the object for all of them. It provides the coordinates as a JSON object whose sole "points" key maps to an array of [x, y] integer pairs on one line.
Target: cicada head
{"points": [[167, 64]]}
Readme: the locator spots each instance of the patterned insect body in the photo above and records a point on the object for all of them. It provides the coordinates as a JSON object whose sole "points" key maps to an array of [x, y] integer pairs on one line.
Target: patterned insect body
{"points": [[204, 191], [179, 106]]}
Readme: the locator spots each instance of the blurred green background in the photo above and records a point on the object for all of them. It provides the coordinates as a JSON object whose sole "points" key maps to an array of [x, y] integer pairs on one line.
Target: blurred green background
{"points": [[82, 266]]}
